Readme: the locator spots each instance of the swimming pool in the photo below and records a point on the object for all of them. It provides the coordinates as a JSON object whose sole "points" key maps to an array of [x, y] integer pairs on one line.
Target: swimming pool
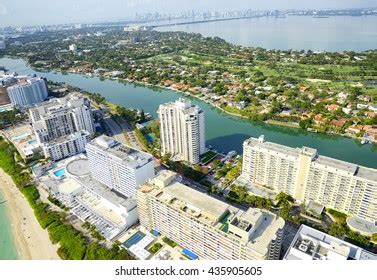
{"points": [[20, 136], [59, 173], [134, 239], [32, 142]]}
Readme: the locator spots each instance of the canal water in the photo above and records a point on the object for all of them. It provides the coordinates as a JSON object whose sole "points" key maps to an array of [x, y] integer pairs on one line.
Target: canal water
{"points": [[224, 132]]}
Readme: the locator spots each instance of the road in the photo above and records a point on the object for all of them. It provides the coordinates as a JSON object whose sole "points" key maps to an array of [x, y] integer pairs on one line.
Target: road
{"points": [[115, 130], [126, 128]]}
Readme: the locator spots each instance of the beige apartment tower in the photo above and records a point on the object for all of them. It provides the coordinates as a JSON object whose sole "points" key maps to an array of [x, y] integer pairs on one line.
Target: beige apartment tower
{"points": [[307, 176], [182, 130], [210, 228]]}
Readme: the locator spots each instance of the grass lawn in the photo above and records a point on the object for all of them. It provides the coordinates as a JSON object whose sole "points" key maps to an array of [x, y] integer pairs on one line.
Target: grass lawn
{"points": [[208, 156]]}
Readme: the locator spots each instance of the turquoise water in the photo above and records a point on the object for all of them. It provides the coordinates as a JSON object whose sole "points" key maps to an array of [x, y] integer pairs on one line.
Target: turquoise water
{"points": [[134, 239], [59, 173], [224, 132], [32, 142], [294, 32], [8, 250]]}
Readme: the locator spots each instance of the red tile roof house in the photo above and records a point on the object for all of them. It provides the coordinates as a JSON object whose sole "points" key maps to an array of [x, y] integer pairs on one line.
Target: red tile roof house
{"points": [[339, 123]]}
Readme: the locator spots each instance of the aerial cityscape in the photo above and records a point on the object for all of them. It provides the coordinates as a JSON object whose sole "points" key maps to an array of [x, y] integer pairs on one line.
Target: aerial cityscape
{"points": [[190, 134]]}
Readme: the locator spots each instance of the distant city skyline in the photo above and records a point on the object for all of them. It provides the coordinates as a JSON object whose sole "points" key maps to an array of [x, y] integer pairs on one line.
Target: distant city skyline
{"points": [[41, 12]]}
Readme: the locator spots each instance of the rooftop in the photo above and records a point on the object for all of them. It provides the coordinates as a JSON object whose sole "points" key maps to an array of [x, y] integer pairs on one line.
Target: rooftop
{"points": [[337, 164], [362, 226], [103, 191], [259, 226], [69, 186], [55, 105], [78, 167], [272, 147], [208, 204], [311, 244], [128, 155]]}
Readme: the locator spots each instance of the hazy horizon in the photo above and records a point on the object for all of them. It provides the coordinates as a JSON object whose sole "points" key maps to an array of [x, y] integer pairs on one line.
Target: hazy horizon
{"points": [[41, 12]]}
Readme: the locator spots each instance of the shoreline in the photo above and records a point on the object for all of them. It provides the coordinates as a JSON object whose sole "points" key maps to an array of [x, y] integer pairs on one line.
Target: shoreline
{"points": [[186, 93], [32, 242]]}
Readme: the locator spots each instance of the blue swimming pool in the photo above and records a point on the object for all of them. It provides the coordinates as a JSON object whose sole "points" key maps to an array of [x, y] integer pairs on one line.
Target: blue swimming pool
{"points": [[32, 142], [59, 173], [134, 239]]}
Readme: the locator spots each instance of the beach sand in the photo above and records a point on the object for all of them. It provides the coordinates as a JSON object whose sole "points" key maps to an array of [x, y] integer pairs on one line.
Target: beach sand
{"points": [[32, 241]]}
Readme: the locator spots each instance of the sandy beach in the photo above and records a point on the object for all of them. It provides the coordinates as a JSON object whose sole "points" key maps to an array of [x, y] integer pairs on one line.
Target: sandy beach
{"points": [[32, 241]]}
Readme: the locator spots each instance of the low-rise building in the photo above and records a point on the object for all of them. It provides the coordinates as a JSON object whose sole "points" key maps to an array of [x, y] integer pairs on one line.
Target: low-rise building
{"points": [[311, 244]]}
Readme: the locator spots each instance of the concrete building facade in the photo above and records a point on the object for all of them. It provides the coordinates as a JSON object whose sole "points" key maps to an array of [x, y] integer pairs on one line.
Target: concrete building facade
{"points": [[60, 117], [118, 166], [66, 146], [307, 176], [63, 126], [28, 92], [182, 131], [207, 227]]}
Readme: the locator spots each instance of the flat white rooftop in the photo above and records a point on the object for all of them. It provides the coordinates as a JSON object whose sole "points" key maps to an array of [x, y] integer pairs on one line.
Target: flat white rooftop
{"points": [[311, 244], [129, 156], [197, 199]]}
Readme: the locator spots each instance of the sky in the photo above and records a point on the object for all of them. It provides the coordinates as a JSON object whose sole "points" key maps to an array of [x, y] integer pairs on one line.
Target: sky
{"points": [[39, 12]]}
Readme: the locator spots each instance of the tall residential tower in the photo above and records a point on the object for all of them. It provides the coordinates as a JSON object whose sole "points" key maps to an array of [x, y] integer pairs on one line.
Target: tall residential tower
{"points": [[28, 92], [307, 176], [182, 130], [63, 126], [118, 166]]}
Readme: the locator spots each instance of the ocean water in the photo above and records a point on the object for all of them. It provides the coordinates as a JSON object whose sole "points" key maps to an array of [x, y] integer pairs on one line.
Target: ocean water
{"points": [[8, 249], [293, 32]]}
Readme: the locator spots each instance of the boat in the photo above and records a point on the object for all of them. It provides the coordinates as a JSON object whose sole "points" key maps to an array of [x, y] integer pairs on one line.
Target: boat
{"points": [[363, 141]]}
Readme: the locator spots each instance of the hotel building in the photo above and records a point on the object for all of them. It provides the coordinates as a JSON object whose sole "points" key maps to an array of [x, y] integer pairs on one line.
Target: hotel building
{"points": [[307, 176], [61, 116], [28, 92], [73, 185], [63, 126], [311, 244], [204, 226], [118, 166], [182, 131]]}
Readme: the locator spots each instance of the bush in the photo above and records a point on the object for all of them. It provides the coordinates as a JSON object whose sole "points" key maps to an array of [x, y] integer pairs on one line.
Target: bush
{"points": [[155, 248], [170, 242]]}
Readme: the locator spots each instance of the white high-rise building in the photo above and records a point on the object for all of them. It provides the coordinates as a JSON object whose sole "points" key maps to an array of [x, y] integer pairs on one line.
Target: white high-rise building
{"points": [[204, 226], [118, 166], [307, 176], [182, 131], [63, 126], [66, 146], [61, 116], [28, 92]]}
